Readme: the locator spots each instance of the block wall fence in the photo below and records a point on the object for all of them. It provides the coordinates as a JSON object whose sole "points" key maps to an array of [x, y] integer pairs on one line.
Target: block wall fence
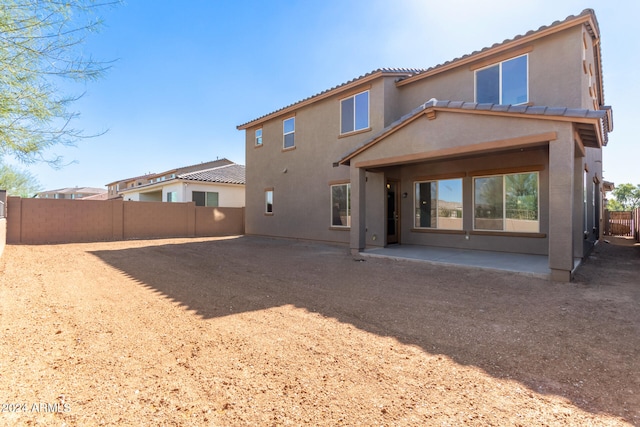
{"points": [[3, 221], [43, 221]]}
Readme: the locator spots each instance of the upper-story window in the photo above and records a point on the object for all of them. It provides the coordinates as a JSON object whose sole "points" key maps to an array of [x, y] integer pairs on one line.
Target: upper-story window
{"points": [[504, 83], [354, 112], [258, 137], [289, 130]]}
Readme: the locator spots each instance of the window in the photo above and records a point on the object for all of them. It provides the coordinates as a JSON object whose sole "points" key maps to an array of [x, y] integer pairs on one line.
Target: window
{"points": [[341, 205], [172, 196], [507, 203], [268, 201], [438, 204], [354, 113], [258, 137], [203, 198], [289, 129], [504, 83]]}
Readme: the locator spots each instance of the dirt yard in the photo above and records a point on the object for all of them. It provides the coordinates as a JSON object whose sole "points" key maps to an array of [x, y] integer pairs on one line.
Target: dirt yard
{"points": [[253, 331]]}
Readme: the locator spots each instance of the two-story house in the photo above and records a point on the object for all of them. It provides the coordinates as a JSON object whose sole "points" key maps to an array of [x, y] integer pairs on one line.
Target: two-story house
{"points": [[218, 183], [497, 150]]}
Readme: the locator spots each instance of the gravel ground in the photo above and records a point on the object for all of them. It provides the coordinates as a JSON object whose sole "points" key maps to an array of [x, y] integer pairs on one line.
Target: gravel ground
{"points": [[255, 331]]}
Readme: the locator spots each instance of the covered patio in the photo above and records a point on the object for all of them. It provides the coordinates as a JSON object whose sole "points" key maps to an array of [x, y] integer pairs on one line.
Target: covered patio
{"points": [[473, 144]]}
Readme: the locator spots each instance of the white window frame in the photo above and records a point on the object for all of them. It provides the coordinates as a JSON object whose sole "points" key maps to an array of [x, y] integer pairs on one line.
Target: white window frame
{"points": [[170, 196], [284, 133], [258, 137], [355, 112], [499, 65]]}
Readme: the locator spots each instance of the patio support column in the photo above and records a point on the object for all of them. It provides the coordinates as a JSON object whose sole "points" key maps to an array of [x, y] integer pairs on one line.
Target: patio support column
{"points": [[561, 206], [358, 210]]}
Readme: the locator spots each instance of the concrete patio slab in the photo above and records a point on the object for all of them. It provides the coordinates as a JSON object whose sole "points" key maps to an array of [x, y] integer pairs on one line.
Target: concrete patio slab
{"points": [[535, 265]]}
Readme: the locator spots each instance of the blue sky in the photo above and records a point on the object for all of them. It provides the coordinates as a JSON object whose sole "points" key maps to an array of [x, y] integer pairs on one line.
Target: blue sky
{"points": [[187, 73]]}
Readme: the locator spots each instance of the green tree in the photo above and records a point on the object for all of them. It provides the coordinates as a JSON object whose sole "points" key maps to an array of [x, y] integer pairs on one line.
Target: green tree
{"points": [[18, 182], [40, 48], [627, 197]]}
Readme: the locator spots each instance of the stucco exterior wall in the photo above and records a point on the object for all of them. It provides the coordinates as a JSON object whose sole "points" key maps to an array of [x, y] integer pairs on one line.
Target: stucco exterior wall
{"points": [[466, 239], [425, 136], [555, 76], [466, 142], [450, 130], [229, 195], [301, 177], [588, 73]]}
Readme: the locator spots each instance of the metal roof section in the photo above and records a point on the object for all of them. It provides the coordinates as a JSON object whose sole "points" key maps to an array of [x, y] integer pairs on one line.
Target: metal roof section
{"points": [[380, 72], [228, 174], [582, 117]]}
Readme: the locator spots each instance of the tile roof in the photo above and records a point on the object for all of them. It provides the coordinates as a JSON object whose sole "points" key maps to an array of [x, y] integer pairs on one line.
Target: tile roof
{"points": [[524, 110], [101, 196], [592, 27], [181, 169], [71, 190], [400, 72], [519, 109], [204, 165], [407, 75], [228, 174]]}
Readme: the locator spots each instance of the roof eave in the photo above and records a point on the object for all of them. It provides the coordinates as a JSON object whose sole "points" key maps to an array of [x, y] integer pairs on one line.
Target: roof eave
{"points": [[584, 18], [430, 111], [324, 95]]}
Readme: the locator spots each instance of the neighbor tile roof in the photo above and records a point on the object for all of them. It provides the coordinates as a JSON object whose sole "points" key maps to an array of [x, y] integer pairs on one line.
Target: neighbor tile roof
{"points": [[228, 174], [71, 190]]}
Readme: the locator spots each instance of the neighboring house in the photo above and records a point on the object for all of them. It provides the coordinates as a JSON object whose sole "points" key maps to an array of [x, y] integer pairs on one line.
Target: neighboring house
{"points": [[71, 193], [498, 150], [219, 186], [115, 188], [101, 196]]}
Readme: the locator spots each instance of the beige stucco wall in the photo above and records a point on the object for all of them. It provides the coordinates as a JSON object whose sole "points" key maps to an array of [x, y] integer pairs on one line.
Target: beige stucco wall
{"points": [[300, 178], [426, 135], [451, 130], [229, 195], [555, 77], [302, 205], [533, 158]]}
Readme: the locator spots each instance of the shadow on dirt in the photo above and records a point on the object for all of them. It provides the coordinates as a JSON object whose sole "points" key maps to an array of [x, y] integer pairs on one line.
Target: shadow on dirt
{"points": [[579, 340]]}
